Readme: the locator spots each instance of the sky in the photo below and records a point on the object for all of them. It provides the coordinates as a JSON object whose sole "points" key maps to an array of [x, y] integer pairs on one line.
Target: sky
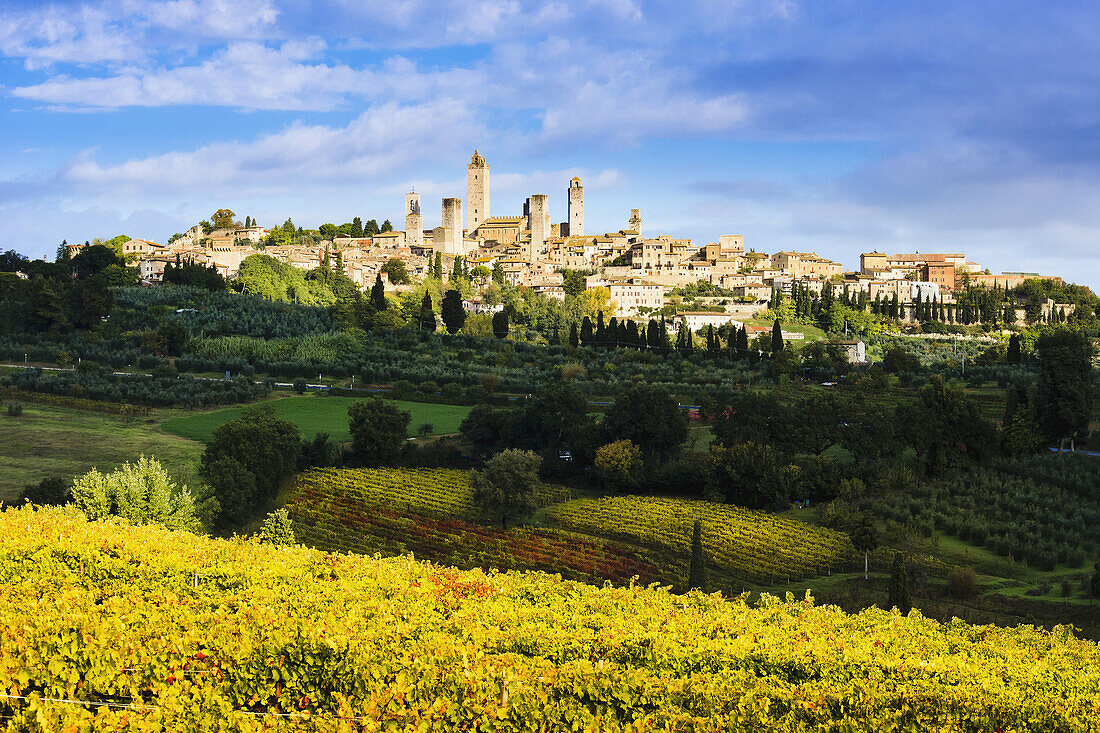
{"points": [[836, 126]]}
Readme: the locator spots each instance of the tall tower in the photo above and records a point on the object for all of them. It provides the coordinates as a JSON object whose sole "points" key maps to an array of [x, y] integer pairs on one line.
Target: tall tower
{"points": [[636, 220], [538, 221], [477, 190], [414, 223], [452, 227], [576, 208]]}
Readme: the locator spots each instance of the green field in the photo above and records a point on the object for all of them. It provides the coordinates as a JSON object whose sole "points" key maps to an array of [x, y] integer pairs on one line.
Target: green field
{"points": [[54, 441], [315, 414]]}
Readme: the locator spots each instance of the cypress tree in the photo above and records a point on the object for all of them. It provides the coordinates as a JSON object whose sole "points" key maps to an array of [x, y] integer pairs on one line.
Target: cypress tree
{"points": [[427, 321], [899, 586], [777, 337], [1013, 356], [437, 268], [611, 334], [573, 338], [697, 574], [586, 331], [500, 324], [378, 294], [653, 334], [601, 330], [743, 341]]}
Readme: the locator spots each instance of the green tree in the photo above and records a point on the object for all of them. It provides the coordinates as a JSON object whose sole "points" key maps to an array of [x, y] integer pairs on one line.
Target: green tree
{"points": [[1020, 425], [697, 574], [246, 461], [397, 271], [619, 464], [454, 315], [378, 294], [386, 226], [754, 475], [141, 493], [500, 324], [1013, 355], [945, 427], [505, 490], [650, 418], [378, 429], [370, 228], [777, 337], [426, 319], [437, 268], [864, 538], [277, 529], [1063, 397], [899, 597], [223, 219], [356, 228], [50, 491]]}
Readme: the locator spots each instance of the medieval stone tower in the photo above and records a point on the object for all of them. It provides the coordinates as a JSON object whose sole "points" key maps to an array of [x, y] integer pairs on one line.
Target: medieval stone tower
{"points": [[538, 221], [448, 237], [414, 223], [636, 220], [477, 190], [576, 208]]}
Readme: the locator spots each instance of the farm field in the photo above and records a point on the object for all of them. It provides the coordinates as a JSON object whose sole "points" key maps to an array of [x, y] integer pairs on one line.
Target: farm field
{"points": [[461, 650], [56, 441], [316, 414], [744, 544]]}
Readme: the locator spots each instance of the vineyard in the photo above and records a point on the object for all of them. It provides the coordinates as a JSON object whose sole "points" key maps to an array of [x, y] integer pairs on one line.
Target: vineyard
{"points": [[397, 511], [443, 493], [744, 544], [155, 630]]}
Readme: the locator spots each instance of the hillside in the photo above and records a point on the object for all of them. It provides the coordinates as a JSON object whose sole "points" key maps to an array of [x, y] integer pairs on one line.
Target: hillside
{"points": [[160, 630]]}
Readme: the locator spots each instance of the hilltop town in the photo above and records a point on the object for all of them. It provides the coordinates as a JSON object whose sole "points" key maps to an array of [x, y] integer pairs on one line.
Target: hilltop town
{"points": [[638, 269]]}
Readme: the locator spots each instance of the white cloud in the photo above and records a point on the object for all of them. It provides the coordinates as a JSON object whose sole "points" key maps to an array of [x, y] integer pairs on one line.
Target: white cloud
{"points": [[120, 31], [381, 140]]}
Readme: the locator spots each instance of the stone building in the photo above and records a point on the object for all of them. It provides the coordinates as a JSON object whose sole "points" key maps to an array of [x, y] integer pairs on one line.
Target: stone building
{"points": [[635, 221], [414, 223], [575, 221], [538, 223], [477, 191]]}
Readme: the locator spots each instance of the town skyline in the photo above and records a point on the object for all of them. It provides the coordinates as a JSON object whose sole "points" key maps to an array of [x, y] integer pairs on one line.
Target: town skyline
{"points": [[838, 130]]}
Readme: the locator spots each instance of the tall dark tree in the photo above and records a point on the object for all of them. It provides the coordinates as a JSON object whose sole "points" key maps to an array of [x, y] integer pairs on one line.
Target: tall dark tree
{"points": [[697, 574], [426, 322], [437, 267], [1063, 398], [1014, 356], [777, 337], [899, 597], [386, 226], [574, 339], [378, 294], [587, 334], [500, 324], [743, 341], [454, 315], [653, 334], [356, 227]]}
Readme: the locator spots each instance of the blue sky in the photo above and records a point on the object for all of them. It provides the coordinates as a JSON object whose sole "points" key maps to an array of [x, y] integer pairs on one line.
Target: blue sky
{"points": [[835, 126]]}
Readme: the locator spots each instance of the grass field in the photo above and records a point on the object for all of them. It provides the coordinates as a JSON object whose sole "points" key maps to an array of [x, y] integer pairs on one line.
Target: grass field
{"points": [[314, 414], [54, 441]]}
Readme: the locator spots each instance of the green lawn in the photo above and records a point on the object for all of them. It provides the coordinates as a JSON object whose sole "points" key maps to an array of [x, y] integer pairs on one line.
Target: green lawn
{"points": [[54, 441], [316, 414]]}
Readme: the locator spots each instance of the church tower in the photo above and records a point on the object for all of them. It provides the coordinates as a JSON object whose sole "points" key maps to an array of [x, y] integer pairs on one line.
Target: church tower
{"points": [[576, 208], [414, 224], [477, 191], [636, 220]]}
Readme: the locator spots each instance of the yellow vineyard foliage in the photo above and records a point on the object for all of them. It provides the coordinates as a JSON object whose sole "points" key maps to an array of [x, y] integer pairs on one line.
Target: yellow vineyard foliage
{"points": [[436, 492], [113, 628], [751, 545]]}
